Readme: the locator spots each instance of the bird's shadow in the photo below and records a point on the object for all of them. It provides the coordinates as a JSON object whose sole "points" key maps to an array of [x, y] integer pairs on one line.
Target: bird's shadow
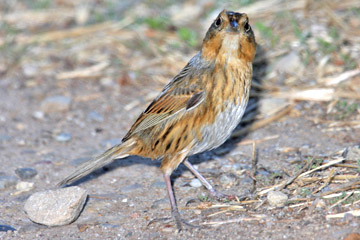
{"points": [[259, 71]]}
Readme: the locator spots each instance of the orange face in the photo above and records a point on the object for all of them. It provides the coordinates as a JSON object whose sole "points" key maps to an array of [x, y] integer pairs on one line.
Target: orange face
{"points": [[230, 34]]}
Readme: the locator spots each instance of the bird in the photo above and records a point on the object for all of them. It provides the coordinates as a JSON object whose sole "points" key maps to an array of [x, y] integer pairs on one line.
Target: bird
{"points": [[196, 111]]}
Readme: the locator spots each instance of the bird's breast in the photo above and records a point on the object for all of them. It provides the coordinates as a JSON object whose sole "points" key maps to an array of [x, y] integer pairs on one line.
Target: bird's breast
{"points": [[227, 103]]}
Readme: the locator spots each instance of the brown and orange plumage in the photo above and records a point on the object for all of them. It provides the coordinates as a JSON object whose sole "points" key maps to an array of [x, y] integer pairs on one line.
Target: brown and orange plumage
{"points": [[197, 110]]}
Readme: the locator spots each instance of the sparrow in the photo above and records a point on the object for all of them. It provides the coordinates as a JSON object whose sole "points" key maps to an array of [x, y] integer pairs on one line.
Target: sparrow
{"points": [[196, 111]]}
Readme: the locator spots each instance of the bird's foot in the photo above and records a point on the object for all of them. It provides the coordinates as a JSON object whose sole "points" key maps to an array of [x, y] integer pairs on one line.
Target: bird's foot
{"points": [[176, 217]]}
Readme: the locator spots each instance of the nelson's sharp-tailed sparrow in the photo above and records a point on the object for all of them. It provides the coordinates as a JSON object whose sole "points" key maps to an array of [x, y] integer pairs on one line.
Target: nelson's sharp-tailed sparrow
{"points": [[197, 110]]}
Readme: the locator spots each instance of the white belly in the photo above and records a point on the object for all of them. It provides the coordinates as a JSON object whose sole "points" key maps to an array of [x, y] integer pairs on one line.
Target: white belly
{"points": [[217, 133]]}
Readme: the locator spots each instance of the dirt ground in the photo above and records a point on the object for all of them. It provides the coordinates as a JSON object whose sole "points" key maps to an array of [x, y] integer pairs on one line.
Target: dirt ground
{"points": [[106, 60]]}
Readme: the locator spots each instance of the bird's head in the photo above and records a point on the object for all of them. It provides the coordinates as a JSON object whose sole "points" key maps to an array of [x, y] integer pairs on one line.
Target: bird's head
{"points": [[230, 35]]}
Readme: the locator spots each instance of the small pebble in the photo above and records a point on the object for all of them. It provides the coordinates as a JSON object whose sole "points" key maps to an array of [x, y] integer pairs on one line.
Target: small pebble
{"points": [[195, 183], [228, 179], [321, 204], [24, 186], [55, 104], [38, 115], [7, 181], [94, 116], [131, 188], [290, 63], [159, 184], [277, 198], [161, 203], [107, 82], [55, 207], [26, 173], [63, 137], [232, 167], [353, 153]]}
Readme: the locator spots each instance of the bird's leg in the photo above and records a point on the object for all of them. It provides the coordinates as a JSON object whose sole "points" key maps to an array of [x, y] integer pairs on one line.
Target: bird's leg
{"points": [[213, 192], [174, 210]]}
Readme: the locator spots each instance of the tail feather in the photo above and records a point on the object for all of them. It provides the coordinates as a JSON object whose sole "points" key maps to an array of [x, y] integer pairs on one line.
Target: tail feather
{"points": [[118, 151]]}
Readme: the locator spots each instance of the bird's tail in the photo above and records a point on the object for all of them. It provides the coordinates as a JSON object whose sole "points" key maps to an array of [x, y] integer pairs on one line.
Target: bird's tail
{"points": [[118, 151]]}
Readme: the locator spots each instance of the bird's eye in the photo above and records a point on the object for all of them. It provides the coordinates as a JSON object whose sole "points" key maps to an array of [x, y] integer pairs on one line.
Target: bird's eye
{"points": [[218, 22], [247, 27]]}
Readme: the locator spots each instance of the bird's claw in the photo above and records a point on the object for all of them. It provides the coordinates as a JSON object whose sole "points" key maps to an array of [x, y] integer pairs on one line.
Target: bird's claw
{"points": [[180, 222]]}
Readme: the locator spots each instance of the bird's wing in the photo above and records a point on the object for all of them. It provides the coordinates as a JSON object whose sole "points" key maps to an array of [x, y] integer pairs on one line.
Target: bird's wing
{"points": [[181, 94]]}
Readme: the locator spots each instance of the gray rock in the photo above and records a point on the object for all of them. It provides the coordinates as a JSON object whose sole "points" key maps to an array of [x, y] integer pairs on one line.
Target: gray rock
{"points": [[26, 173], [131, 188], [38, 115], [24, 186], [353, 153], [159, 184], [7, 181], [290, 63], [94, 116], [277, 198], [195, 183], [161, 203], [55, 104], [228, 179], [55, 207], [231, 167], [63, 137]]}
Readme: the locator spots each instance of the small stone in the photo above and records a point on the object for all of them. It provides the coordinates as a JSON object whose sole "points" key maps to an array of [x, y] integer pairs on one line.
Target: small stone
{"points": [[55, 104], [161, 203], [107, 82], [228, 179], [24, 186], [63, 137], [26, 173], [95, 117], [30, 70], [277, 199], [353, 153], [131, 188], [195, 183], [321, 204], [55, 207], [290, 63], [7, 181], [159, 184], [38, 115]]}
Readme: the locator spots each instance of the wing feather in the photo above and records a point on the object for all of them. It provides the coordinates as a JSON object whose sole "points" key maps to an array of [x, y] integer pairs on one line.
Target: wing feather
{"points": [[181, 94]]}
